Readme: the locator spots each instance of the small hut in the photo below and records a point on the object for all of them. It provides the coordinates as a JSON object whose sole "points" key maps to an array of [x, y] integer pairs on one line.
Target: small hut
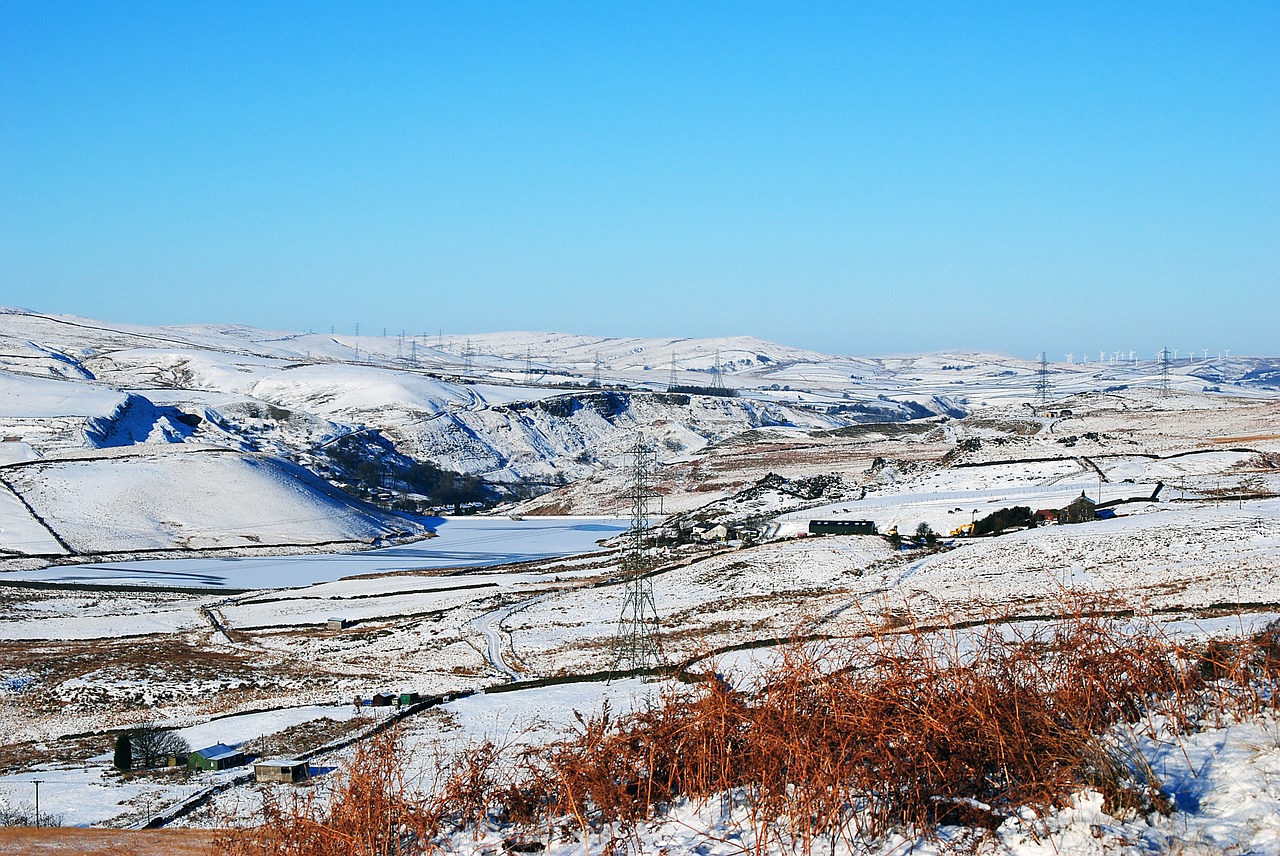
{"points": [[284, 770]]}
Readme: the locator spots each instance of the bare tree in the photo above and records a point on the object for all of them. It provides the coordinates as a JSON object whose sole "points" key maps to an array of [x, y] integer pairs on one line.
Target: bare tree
{"points": [[153, 746]]}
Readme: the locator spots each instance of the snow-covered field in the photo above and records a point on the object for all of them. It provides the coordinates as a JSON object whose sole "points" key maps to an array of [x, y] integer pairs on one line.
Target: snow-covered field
{"points": [[206, 446]]}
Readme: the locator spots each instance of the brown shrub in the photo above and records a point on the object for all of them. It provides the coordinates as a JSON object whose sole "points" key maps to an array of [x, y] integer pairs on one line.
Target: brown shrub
{"points": [[369, 813], [846, 740]]}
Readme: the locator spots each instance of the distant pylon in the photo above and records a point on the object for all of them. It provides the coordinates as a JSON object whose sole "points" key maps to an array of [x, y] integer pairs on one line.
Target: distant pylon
{"points": [[672, 383], [595, 372], [717, 374], [638, 641], [1042, 382], [1164, 372]]}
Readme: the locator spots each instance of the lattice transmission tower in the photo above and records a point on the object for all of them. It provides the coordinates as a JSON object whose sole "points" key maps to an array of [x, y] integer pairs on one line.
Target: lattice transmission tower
{"points": [[638, 641], [1042, 383], [717, 374], [1164, 372]]}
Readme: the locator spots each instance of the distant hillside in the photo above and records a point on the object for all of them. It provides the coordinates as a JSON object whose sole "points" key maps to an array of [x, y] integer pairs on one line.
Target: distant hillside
{"points": [[416, 423]]}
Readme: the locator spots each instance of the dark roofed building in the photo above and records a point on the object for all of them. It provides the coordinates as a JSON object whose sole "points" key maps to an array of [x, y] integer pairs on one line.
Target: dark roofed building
{"points": [[842, 527], [1081, 510]]}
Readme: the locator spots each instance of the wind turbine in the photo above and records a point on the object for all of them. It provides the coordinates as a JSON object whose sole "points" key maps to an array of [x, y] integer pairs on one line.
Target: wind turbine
{"points": [[1071, 359], [1175, 354], [1228, 350], [1102, 356], [1130, 356], [1206, 355]]}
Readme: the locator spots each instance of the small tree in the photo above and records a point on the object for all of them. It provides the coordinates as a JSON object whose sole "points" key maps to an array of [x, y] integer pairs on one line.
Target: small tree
{"points": [[925, 535], [123, 759], [154, 746]]}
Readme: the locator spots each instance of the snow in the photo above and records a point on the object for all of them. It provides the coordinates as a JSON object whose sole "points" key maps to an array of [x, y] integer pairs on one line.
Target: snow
{"points": [[90, 615], [82, 796], [20, 532], [191, 500], [126, 438], [236, 729], [24, 397]]}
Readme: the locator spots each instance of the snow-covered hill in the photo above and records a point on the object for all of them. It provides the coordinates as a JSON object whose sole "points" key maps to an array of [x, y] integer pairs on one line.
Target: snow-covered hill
{"points": [[417, 421]]}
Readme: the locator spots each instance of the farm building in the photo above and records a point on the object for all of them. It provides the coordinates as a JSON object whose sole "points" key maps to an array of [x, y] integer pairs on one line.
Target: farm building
{"points": [[219, 756], [842, 527], [284, 770], [1081, 510], [711, 532]]}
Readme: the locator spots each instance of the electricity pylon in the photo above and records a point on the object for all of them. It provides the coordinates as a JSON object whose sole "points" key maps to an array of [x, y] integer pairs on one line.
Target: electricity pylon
{"points": [[638, 641]]}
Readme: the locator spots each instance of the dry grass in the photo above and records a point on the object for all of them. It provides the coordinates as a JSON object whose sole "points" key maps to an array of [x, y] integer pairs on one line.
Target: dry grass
{"points": [[907, 730], [108, 842]]}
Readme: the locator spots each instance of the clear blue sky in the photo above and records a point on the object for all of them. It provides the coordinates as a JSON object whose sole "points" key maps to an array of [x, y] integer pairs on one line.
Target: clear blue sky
{"points": [[855, 178]]}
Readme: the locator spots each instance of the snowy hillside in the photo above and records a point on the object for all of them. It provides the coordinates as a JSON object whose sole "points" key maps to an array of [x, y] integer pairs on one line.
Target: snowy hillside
{"points": [[421, 422]]}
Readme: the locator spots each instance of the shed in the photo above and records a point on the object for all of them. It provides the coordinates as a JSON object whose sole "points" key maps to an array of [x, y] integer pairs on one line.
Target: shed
{"points": [[219, 756], [337, 624], [410, 698], [1081, 510], [842, 527], [286, 770], [384, 700]]}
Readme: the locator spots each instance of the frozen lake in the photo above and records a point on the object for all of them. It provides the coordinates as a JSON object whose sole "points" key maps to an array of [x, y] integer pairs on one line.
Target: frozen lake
{"points": [[463, 542]]}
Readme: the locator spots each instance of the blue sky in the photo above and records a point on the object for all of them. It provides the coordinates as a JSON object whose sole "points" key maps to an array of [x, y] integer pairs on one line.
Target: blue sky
{"points": [[848, 177]]}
